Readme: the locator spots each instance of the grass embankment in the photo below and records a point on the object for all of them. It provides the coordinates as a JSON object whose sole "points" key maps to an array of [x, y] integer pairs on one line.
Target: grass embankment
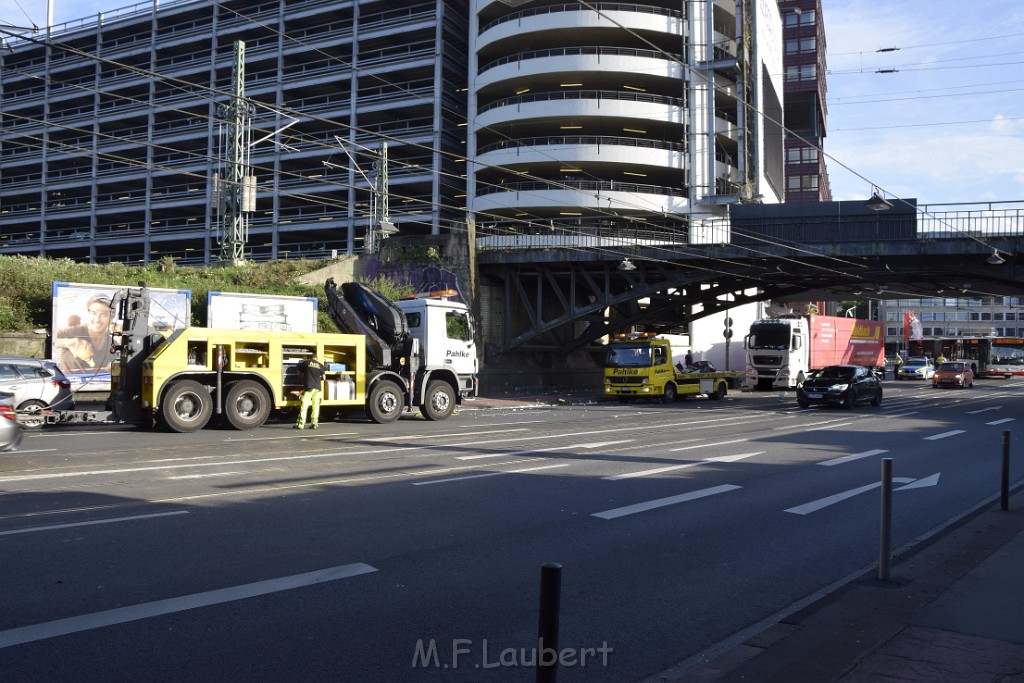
{"points": [[26, 285]]}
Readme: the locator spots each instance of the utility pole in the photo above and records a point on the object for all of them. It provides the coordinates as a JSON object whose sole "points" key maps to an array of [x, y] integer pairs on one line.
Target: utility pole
{"points": [[380, 223], [236, 190]]}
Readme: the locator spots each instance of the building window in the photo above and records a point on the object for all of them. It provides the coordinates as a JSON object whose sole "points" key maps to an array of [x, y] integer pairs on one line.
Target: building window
{"points": [[804, 18], [801, 72], [798, 45], [804, 183], [802, 155]]}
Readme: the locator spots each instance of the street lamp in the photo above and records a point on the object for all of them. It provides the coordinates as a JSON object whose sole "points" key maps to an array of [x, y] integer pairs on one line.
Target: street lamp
{"points": [[995, 259], [878, 202]]}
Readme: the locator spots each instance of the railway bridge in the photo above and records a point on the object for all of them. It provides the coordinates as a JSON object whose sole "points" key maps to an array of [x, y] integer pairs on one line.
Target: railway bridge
{"points": [[554, 292]]}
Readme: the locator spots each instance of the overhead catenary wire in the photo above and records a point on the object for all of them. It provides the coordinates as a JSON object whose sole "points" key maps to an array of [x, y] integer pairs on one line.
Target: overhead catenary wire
{"points": [[193, 86]]}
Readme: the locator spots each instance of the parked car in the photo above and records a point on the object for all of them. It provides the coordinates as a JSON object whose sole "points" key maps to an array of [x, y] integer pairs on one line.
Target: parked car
{"points": [[917, 367], [37, 385], [10, 430], [956, 373], [842, 385]]}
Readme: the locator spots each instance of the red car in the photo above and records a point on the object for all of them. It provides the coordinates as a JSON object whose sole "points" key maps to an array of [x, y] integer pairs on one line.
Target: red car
{"points": [[954, 373]]}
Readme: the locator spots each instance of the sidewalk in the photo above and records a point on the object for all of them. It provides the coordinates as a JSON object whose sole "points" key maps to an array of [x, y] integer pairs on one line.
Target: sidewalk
{"points": [[951, 612]]}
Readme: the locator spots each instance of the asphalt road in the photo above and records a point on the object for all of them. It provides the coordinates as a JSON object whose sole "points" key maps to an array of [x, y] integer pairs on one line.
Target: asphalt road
{"points": [[412, 551]]}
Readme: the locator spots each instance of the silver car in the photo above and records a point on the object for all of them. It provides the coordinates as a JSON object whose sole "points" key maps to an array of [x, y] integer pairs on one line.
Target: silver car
{"points": [[37, 385], [10, 430]]}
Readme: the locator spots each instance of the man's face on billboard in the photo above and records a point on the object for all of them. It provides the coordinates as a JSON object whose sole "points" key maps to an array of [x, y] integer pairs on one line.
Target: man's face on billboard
{"points": [[99, 317]]}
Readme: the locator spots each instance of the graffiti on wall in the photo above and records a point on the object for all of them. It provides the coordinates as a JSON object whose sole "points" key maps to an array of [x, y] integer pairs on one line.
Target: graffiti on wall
{"points": [[422, 278]]}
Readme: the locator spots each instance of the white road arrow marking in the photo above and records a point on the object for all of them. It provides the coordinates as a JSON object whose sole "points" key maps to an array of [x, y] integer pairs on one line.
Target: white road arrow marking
{"points": [[815, 505], [999, 422], [921, 483], [984, 410], [662, 502]]}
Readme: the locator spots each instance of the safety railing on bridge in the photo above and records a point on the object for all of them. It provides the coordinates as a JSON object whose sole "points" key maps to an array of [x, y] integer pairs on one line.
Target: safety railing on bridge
{"points": [[754, 225]]}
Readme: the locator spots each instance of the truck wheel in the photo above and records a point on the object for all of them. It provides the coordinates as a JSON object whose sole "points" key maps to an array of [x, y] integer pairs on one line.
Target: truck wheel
{"points": [[719, 393], [186, 407], [669, 394], [31, 417], [439, 402], [246, 405], [385, 402]]}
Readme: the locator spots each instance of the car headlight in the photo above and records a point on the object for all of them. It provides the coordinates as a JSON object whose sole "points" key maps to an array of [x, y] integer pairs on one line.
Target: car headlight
{"points": [[839, 388]]}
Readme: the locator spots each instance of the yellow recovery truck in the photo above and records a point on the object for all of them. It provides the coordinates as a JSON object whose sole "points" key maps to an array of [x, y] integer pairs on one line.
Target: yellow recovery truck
{"points": [[415, 353], [640, 365]]}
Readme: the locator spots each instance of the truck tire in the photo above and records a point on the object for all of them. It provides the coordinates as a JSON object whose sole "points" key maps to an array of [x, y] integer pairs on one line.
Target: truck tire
{"points": [[669, 394], [719, 393], [246, 404], [385, 402], [439, 402], [186, 406]]}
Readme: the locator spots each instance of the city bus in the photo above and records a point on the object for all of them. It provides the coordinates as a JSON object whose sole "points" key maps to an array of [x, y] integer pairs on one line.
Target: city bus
{"points": [[991, 356]]}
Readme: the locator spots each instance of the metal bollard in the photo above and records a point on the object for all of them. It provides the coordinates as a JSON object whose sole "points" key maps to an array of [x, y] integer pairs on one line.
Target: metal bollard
{"points": [[546, 656], [1004, 487], [885, 532]]}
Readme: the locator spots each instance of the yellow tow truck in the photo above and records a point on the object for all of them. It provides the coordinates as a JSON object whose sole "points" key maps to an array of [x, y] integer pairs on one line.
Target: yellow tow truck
{"points": [[640, 365]]}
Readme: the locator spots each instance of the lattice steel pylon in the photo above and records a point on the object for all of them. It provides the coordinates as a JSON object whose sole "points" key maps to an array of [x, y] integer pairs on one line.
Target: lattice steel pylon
{"points": [[235, 191]]}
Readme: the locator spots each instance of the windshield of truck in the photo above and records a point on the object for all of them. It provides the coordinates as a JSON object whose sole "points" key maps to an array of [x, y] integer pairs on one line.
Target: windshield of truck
{"points": [[775, 337], [628, 356]]}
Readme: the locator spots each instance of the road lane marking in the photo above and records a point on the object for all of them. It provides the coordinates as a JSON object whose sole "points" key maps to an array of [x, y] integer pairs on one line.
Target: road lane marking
{"points": [[984, 410], [851, 458], [37, 450], [838, 424], [208, 475], [815, 505], [709, 445], [69, 525], [671, 468], [1004, 420], [487, 474], [147, 610], [915, 412], [805, 426], [664, 502], [540, 450], [944, 435]]}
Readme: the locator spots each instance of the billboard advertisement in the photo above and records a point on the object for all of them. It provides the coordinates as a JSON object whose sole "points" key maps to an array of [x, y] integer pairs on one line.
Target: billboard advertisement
{"points": [[83, 325], [239, 311]]}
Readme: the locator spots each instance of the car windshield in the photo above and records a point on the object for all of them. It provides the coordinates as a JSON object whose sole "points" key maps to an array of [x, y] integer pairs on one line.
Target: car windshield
{"points": [[628, 356], [834, 372], [917, 361], [954, 367]]}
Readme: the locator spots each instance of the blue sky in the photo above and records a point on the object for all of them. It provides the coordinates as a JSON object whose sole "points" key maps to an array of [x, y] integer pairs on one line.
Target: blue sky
{"points": [[946, 126]]}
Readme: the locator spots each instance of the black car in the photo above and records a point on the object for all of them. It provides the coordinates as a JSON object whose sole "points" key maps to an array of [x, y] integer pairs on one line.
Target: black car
{"points": [[841, 385]]}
